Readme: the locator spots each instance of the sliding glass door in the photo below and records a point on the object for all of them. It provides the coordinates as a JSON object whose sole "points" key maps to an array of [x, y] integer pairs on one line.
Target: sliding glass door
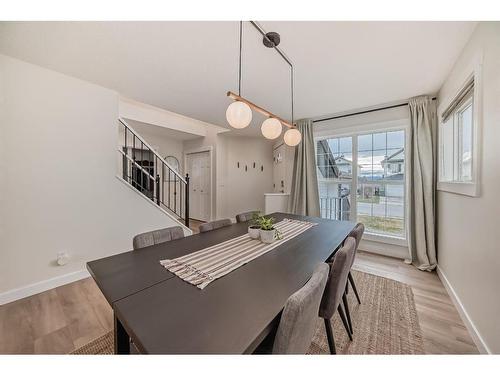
{"points": [[361, 177]]}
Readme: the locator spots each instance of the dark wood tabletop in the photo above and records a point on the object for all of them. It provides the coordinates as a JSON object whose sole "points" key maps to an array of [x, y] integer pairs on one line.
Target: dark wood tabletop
{"points": [[124, 274], [164, 314]]}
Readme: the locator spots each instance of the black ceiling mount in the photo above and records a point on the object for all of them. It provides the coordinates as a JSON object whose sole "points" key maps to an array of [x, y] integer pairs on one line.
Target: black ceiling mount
{"points": [[271, 39]]}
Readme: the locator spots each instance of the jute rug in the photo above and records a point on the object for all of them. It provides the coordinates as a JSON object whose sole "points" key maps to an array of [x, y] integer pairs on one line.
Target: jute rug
{"points": [[385, 323], [101, 345]]}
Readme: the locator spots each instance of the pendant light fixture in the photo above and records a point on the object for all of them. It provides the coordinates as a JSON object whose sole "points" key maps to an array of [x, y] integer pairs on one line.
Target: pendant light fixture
{"points": [[292, 137], [271, 128], [239, 113]]}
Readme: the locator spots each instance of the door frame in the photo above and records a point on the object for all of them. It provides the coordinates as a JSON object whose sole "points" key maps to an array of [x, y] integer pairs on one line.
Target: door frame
{"points": [[198, 150]]}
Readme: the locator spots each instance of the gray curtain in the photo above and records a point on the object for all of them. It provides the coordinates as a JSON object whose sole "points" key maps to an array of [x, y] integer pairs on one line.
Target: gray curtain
{"points": [[304, 196], [422, 242]]}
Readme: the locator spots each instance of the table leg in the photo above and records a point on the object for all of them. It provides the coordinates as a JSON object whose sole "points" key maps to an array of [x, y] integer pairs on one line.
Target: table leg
{"points": [[122, 340]]}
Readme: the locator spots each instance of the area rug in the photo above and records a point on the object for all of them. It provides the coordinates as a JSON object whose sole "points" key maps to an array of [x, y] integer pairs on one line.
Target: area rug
{"points": [[385, 323], [101, 345]]}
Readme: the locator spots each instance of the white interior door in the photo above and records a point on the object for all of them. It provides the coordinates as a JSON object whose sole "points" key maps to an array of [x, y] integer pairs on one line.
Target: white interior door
{"points": [[199, 169]]}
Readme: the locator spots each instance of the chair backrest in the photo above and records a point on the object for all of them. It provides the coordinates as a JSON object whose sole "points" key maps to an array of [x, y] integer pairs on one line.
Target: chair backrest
{"points": [[299, 317], [157, 236], [357, 234], [245, 216], [337, 279], [206, 227]]}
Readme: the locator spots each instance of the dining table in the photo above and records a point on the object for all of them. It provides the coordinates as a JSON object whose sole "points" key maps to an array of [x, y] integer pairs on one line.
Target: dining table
{"points": [[160, 313]]}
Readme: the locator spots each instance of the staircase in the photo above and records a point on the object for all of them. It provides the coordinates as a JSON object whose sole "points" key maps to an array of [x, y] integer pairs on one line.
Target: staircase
{"points": [[147, 172]]}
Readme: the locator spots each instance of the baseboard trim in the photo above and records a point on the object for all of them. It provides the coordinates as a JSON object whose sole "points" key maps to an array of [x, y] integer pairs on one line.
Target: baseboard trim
{"points": [[390, 250], [469, 324], [41, 286]]}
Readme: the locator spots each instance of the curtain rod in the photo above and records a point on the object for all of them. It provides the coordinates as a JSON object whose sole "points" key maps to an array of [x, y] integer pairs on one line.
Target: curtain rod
{"points": [[362, 112]]}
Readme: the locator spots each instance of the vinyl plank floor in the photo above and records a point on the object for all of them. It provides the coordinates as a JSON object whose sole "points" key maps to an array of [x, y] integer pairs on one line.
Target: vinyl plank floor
{"points": [[442, 328], [62, 319]]}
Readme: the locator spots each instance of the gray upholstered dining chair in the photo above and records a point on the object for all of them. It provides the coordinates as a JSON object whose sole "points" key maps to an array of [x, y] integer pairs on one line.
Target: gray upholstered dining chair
{"points": [[298, 319], [246, 216], [206, 227], [335, 290], [357, 234], [299, 316], [155, 237]]}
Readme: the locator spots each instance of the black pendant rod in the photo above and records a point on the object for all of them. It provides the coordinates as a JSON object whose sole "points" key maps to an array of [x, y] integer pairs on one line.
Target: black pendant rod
{"points": [[239, 72], [285, 57], [362, 112], [263, 32]]}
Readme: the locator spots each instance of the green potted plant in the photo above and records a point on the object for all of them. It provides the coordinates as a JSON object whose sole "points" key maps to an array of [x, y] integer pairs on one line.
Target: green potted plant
{"points": [[254, 228], [268, 233]]}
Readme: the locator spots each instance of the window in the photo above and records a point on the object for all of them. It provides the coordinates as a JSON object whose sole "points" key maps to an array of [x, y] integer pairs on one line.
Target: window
{"points": [[457, 148], [381, 182], [456, 139], [373, 166], [334, 161]]}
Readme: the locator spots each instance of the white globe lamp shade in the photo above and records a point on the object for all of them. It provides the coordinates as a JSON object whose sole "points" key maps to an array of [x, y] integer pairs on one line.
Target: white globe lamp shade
{"points": [[292, 137], [239, 115], [271, 128]]}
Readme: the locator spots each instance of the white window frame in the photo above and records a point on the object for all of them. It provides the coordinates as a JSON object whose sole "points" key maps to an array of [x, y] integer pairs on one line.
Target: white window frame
{"points": [[354, 132], [472, 187]]}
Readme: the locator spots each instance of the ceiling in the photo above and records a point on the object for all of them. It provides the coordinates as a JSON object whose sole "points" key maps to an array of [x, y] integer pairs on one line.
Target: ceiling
{"points": [[187, 67]]}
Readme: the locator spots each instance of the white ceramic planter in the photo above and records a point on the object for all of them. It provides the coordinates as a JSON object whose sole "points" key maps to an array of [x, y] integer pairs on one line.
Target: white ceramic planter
{"points": [[254, 232], [267, 236]]}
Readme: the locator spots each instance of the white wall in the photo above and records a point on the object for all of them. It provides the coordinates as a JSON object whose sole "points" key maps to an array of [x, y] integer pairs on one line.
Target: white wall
{"points": [[468, 233], [134, 110], [241, 190], [283, 171], [387, 115], [59, 190]]}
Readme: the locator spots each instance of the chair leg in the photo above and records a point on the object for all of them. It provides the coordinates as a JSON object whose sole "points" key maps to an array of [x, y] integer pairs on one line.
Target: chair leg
{"points": [[351, 280], [329, 335], [348, 314], [344, 320]]}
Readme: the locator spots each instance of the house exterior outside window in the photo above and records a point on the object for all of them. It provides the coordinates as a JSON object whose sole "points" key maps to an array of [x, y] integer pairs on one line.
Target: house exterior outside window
{"points": [[375, 194]]}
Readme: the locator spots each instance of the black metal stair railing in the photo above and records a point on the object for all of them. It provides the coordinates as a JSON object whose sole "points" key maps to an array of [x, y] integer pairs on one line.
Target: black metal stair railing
{"points": [[146, 170]]}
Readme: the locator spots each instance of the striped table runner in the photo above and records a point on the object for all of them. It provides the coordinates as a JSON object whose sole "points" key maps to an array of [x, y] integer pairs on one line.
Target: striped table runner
{"points": [[204, 266]]}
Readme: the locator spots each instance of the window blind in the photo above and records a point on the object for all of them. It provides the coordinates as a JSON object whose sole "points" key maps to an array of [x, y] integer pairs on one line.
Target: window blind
{"points": [[464, 94]]}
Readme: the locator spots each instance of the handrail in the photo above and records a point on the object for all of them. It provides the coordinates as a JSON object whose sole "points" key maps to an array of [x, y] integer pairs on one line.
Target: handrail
{"points": [[153, 186], [124, 123], [137, 165]]}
